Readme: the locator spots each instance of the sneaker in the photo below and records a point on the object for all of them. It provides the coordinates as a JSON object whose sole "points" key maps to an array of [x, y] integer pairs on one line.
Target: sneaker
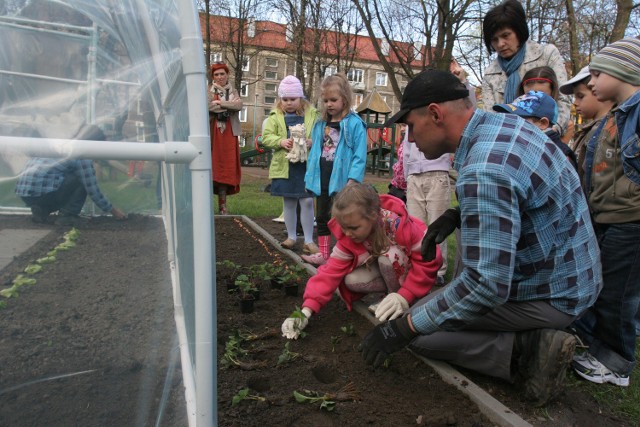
{"points": [[542, 358], [223, 210], [310, 248], [315, 259], [288, 244], [38, 215], [590, 368], [279, 219]]}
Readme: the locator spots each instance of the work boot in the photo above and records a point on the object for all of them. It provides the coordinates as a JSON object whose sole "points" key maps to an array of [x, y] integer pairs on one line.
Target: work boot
{"points": [[542, 357], [38, 215]]}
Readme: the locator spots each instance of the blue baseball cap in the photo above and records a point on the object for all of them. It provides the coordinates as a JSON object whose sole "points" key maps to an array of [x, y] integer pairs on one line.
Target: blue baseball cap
{"points": [[532, 104]]}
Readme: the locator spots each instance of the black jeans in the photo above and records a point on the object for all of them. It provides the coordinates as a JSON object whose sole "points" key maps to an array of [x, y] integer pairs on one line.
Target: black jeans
{"points": [[68, 199]]}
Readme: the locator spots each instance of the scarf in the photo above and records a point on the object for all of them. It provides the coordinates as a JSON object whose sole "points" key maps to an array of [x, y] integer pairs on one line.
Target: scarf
{"points": [[222, 93], [510, 67]]}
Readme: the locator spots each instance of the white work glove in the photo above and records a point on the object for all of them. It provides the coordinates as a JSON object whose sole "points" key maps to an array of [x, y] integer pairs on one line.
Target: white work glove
{"points": [[392, 306], [292, 327]]}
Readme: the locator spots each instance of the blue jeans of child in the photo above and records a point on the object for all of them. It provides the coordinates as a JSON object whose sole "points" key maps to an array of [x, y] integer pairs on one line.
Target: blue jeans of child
{"points": [[609, 327]]}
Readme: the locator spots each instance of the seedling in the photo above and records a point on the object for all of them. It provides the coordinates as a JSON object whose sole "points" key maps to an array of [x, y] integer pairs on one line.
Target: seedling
{"points": [[231, 268], [327, 400], [245, 286], [348, 330], [287, 355], [298, 314], [335, 340], [244, 395], [233, 351], [33, 268]]}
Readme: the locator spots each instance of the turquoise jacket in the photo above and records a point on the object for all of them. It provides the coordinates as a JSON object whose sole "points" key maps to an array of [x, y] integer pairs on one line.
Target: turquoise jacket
{"points": [[351, 155], [275, 131]]}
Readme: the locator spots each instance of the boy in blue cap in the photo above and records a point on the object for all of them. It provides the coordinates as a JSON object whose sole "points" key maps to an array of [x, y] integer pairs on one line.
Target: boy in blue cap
{"points": [[540, 109]]}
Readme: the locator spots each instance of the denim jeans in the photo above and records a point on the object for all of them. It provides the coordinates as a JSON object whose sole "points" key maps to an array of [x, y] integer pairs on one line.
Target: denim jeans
{"points": [[609, 327], [68, 199]]}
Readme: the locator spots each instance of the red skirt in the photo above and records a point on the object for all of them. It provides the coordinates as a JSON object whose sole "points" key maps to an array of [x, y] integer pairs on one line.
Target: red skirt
{"points": [[225, 158]]}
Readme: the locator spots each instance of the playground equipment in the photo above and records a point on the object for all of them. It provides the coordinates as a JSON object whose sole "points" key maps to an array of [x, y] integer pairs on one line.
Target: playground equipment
{"points": [[382, 141]]}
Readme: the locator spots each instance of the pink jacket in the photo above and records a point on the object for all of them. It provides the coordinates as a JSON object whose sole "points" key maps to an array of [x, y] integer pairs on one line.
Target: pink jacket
{"points": [[330, 276]]}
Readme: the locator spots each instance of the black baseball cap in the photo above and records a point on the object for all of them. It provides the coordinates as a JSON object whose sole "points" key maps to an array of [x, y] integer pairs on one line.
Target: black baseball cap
{"points": [[430, 86]]}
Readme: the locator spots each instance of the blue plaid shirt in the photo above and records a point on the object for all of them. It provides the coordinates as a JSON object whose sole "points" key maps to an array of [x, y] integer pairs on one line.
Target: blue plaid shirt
{"points": [[526, 231], [44, 175]]}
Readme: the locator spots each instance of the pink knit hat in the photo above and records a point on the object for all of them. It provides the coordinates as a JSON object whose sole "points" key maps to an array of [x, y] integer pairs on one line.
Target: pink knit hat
{"points": [[290, 87]]}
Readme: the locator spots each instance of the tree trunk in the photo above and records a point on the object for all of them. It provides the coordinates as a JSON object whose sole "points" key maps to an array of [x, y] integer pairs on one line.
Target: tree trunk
{"points": [[622, 19], [574, 53]]}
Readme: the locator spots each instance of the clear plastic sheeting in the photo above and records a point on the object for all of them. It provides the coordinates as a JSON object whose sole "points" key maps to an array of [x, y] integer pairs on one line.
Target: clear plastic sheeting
{"points": [[135, 69]]}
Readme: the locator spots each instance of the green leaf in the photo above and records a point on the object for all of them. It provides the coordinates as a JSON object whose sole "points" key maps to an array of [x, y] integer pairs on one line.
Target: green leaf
{"points": [[46, 260], [328, 405], [300, 398], [33, 268], [20, 280], [11, 292]]}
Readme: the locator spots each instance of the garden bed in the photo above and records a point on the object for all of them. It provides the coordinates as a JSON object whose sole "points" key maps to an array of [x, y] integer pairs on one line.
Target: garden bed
{"points": [[104, 312]]}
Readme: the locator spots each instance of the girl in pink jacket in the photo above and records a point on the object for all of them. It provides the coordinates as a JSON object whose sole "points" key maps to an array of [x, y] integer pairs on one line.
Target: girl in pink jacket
{"points": [[377, 250]]}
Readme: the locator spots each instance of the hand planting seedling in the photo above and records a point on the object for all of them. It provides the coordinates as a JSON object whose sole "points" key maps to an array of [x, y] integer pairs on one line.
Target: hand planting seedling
{"points": [[327, 400], [299, 320], [244, 395]]}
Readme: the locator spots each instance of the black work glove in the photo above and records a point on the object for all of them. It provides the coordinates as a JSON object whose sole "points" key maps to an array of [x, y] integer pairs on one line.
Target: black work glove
{"points": [[438, 231], [384, 339]]}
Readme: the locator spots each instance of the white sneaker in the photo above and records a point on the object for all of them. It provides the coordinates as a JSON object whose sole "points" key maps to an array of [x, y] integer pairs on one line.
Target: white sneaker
{"points": [[590, 368]]}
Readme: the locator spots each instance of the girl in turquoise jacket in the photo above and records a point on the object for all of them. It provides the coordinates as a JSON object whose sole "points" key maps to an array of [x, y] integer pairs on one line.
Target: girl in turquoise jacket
{"points": [[338, 155]]}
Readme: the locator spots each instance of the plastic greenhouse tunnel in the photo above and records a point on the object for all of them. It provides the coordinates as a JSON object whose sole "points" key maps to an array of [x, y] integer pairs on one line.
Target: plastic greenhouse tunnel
{"points": [[133, 69]]}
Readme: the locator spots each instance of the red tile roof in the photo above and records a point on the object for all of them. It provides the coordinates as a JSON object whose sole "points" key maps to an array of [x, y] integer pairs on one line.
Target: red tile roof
{"points": [[272, 36]]}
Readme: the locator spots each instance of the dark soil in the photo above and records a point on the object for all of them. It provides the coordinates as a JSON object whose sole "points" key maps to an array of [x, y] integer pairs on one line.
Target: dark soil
{"points": [[93, 342], [104, 312]]}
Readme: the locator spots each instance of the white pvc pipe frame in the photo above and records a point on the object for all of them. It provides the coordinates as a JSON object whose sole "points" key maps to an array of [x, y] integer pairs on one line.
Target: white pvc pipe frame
{"points": [[198, 154]]}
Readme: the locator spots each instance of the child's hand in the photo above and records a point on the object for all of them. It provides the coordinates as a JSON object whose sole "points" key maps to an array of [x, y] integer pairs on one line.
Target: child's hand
{"points": [[287, 144], [309, 143]]}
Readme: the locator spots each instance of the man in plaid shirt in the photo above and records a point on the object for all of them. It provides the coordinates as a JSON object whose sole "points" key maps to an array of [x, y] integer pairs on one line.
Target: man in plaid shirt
{"points": [[530, 255], [48, 185]]}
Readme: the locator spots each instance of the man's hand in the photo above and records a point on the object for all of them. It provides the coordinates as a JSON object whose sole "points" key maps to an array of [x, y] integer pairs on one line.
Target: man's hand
{"points": [[391, 307], [118, 213], [385, 339], [438, 231]]}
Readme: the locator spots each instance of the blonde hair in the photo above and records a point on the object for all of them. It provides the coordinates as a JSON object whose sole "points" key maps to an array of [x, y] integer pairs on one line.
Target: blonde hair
{"points": [[364, 199], [304, 105], [340, 82]]}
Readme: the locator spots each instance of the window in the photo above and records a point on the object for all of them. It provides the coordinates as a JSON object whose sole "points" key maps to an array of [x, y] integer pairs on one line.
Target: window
{"points": [[215, 57], [244, 88], [270, 87], [381, 79], [140, 131], [384, 47], [245, 63], [330, 71], [269, 99], [242, 141], [355, 75], [267, 111], [271, 75], [242, 115], [271, 62], [357, 100]]}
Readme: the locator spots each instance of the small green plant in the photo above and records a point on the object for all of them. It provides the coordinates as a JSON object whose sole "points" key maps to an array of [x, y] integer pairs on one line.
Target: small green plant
{"points": [[244, 284], [234, 351], [244, 395], [229, 267], [298, 314], [287, 355], [261, 272], [327, 400], [348, 330], [335, 340]]}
